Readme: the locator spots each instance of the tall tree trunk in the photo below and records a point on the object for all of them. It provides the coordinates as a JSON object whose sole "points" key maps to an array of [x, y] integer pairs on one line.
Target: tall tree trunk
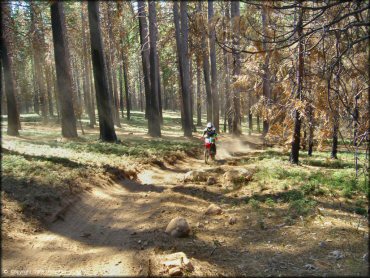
{"points": [[121, 104], [212, 54], [335, 106], [310, 129], [159, 97], [235, 15], [250, 115], [176, 18], [207, 80], [294, 155], [107, 132], [12, 107], [185, 67], [56, 94], [112, 74], [87, 71], [199, 94], [128, 108], [92, 90], [49, 89], [227, 106], [266, 81], [154, 115], [36, 104], [144, 42], [62, 65], [141, 89], [38, 44]]}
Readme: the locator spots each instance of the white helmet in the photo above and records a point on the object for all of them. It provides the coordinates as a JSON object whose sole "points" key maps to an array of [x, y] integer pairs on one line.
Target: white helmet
{"points": [[209, 125]]}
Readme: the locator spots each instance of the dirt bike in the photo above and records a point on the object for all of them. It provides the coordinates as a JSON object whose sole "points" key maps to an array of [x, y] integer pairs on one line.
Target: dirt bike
{"points": [[209, 148]]}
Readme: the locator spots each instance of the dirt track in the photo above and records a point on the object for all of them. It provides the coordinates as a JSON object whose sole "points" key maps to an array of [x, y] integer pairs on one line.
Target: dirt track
{"points": [[118, 229]]}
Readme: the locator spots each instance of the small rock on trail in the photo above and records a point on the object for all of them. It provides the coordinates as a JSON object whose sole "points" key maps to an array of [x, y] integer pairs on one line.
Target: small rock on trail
{"points": [[178, 227], [195, 176], [213, 210], [232, 220]]}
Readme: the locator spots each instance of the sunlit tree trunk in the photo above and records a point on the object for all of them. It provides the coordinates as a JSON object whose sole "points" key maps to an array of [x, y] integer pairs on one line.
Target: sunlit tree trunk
{"points": [[87, 72], [144, 42], [107, 132], [62, 65]]}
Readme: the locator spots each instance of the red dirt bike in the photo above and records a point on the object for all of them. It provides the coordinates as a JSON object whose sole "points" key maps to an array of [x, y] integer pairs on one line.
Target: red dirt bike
{"points": [[209, 148]]}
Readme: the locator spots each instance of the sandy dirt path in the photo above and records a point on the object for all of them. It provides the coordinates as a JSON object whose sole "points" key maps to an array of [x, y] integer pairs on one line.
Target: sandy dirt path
{"points": [[113, 229]]}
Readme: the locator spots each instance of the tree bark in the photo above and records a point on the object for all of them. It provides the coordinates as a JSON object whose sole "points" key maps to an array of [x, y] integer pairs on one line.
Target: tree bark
{"points": [[266, 85], [87, 72], [212, 54], [106, 126], [199, 94], [235, 15], [62, 65], [154, 115], [294, 155], [112, 65], [206, 74], [38, 43], [12, 107], [227, 106], [127, 93], [144, 41]]}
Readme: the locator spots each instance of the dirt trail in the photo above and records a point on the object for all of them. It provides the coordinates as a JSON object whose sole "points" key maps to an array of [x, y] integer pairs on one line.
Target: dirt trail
{"points": [[118, 229], [113, 229]]}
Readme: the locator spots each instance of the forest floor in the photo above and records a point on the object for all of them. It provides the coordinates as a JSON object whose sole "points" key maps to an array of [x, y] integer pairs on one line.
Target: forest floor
{"points": [[80, 207]]}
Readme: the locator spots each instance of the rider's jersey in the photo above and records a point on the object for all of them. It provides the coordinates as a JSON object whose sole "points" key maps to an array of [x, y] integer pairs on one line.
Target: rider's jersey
{"points": [[210, 133]]}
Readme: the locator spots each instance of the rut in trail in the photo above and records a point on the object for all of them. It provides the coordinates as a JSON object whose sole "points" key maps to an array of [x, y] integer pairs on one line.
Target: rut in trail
{"points": [[116, 228]]}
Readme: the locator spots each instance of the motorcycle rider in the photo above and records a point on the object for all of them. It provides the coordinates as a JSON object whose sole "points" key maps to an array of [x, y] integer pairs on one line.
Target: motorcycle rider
{"points": [[209, 132]]}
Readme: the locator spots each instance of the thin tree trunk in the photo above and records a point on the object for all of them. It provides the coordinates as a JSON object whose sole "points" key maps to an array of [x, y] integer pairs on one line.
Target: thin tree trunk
{"points": [[144, 42], [310, 129], [38, 46], [49, 90], [106, 125], [207, 80], [121, 104], [36, 105], [128, 108], [266, 85], [235, 15], [227, 106], [64, 79], [294, 155], [87, 71], [159, 97], [212, 54], [199, 94]]}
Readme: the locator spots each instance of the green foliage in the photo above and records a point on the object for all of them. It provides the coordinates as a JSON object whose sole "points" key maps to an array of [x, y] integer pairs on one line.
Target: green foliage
{"points": [[301, 207], [270, 202], [255, 204]]}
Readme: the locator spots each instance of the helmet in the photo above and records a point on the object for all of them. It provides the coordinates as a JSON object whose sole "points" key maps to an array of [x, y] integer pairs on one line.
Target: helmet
{"points": [[209, 125]]}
